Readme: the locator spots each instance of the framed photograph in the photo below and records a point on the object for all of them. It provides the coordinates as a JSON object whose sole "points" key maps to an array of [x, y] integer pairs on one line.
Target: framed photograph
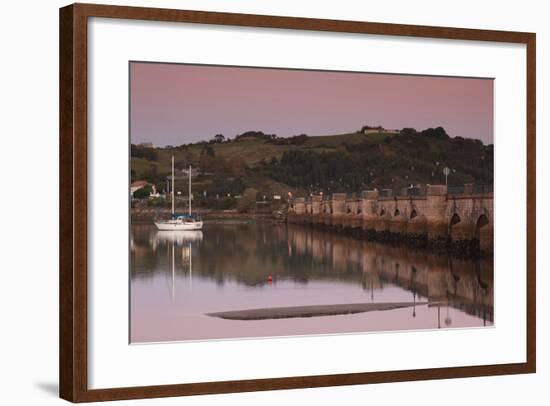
{"points": [[255, 202]]}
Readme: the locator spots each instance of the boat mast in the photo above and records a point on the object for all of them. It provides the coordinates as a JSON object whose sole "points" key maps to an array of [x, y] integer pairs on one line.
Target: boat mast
{"points": [[173, 272], [189, 190], [190, 265], [172, 185]]}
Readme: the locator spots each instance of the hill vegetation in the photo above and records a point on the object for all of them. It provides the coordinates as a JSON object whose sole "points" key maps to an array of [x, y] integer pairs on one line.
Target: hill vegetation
{"points": [[302, 164]]}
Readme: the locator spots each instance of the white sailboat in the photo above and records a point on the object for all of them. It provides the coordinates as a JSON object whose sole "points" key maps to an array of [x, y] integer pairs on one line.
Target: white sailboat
{"points": [[180, 222]]}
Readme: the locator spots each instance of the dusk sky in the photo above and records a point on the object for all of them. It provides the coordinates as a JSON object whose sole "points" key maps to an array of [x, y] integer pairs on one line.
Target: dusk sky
{"points": [[173, 104]]}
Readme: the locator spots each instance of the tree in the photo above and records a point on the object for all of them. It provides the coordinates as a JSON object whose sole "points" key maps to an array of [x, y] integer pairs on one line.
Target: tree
{"points": [[294, 140], [219, 138], [408, 131], [438, 132], [248, 200], [255, 134], [235, 166], [138, 151], [208, 150], [152, 175], [237, 186], [143, 193]]}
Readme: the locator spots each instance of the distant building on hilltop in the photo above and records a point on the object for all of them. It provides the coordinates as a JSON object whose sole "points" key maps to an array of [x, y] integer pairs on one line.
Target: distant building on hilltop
{"points": [[378, 129], [146, 145]]}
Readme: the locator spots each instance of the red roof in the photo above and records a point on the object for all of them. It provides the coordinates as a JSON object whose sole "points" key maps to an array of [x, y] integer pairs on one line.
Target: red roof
{"points": [[139, 183]]}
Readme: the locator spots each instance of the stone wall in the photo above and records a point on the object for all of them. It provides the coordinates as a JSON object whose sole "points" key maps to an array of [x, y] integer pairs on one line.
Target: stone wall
{"points": [[436, 219]]}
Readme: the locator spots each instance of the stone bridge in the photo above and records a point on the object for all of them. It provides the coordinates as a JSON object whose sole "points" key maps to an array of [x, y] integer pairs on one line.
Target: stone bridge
{"points": [[435, 218]]}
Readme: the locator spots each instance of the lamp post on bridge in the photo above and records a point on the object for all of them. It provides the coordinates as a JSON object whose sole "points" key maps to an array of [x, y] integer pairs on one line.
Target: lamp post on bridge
{"points": [[446, 172]]}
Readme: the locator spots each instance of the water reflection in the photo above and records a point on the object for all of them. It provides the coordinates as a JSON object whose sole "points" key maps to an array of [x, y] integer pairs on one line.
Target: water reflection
{"points": [[244, 266]]}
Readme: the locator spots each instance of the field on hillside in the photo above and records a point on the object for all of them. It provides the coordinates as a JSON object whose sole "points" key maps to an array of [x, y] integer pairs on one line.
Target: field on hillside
{"points": [[250, 151]]}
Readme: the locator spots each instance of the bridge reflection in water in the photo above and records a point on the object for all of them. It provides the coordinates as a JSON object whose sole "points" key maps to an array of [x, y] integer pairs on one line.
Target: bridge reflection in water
{"points": [[297, 278], [445, 281]]}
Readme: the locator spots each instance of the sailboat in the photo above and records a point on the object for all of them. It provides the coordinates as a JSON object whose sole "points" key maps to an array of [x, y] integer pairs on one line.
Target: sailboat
{"points": [[180, 222]]}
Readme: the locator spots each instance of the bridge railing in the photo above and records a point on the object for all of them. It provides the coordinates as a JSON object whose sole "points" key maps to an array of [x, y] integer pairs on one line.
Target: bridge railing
{"points": [[483, 188], [403, 192], [455, 190], [417, 191]]}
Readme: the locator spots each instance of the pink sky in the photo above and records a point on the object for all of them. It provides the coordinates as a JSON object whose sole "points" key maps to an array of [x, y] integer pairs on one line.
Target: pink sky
{"points": [[174, 104]]}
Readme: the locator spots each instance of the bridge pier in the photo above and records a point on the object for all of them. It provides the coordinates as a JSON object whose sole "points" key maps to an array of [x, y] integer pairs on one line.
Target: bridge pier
{"points": [[435, 208], [369, 212], [338, 205], [485, 238]]}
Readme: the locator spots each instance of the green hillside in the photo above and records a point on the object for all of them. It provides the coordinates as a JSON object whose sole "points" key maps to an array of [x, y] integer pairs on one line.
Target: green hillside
{"points": [[333, 163]]}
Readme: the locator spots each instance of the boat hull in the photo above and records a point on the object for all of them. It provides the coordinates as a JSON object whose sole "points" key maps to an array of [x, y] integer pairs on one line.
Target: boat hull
{"points": [[178, 226]]}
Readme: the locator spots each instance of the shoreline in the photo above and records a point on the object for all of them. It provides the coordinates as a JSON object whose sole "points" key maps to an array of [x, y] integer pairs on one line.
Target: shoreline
{"points": [[148, 215]]}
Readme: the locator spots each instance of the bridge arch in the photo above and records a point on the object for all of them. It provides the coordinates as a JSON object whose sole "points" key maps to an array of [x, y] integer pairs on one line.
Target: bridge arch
{"points": [[455, 219], [396, 212], [382, 212], [481, 222], [413, 214]]}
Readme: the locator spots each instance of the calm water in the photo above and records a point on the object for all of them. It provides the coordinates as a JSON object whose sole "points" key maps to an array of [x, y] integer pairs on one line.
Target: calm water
{"points": [[177, 278]]}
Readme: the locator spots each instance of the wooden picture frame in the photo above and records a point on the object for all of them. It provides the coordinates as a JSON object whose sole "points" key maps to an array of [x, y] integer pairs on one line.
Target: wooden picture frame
{"points": [[73, 200]]}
